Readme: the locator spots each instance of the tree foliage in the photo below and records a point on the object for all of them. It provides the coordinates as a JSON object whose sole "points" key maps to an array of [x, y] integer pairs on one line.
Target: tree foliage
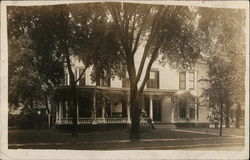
{"points": [[56, 34], [32, 73], [225, 36]]}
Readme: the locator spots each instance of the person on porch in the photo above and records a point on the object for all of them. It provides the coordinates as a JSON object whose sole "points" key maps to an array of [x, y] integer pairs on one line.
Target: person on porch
{"points": [[148, 119]]}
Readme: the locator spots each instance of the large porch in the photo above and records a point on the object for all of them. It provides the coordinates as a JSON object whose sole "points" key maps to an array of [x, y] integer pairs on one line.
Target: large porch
{"points": [[96, 105], [102, 105]]}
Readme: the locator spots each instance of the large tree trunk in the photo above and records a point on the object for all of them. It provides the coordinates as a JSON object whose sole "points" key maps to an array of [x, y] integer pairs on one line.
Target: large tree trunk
{"points": [[48, 110], [135, 116], [73, 92], [227, 116], [238, 114], [221, 118], [74, 110], [49, 121]]}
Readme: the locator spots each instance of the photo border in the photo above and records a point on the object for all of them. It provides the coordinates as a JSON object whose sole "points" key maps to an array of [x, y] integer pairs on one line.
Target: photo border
{"points": [[6, 153]]}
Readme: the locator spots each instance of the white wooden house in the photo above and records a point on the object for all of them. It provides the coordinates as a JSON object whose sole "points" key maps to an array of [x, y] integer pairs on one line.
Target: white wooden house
{"points": [[157, 99]]}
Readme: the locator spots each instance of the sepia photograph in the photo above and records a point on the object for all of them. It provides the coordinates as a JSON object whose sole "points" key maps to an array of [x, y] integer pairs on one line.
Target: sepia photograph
{"points": [[133, 77]]}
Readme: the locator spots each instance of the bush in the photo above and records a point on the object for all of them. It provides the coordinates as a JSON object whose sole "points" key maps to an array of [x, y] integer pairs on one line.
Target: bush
{"points": [[28, 119]]}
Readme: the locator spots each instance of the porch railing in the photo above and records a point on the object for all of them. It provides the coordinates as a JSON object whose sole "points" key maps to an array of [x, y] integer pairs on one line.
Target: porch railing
{"points": [[67, 120], [99, 120], [116, 120], [84, 120]]}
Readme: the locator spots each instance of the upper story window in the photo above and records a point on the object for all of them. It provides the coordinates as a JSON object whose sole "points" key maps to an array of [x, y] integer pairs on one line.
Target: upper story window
{"points": [[153, 81], [66, 79], [76, 76], [125, 78], [102, 80], [191, 80], [105, 82], [182, 80], [82, 79]]}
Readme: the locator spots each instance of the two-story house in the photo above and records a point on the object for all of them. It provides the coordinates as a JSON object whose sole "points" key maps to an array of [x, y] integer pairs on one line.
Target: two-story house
{"points": [[107, 101]]}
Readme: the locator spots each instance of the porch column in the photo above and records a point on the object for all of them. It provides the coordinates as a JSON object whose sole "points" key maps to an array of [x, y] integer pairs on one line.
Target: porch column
{"points": [[187, 111], [128, 110], [196, 109], [57, 111], [103, 110], [94, 109], [60, 111], [172, 110], [151, 107], [77, 108], [49, 115], [67, 108]]}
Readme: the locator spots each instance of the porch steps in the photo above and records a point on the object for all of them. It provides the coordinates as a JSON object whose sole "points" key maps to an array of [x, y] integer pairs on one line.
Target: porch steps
{"points": [[164, 125]]}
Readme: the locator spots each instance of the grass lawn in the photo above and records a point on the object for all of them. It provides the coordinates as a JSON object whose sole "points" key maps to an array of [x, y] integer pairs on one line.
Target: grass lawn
{"points": [[225, 131], [160, 138]]}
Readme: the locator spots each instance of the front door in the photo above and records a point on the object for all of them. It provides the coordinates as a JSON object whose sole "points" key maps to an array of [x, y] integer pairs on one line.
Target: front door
{"points": [[156, 110]]}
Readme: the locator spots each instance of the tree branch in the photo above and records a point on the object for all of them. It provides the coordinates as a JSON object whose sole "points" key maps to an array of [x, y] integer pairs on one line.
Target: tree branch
{"points": [[149, 43], [153, 58], [132, 29], [119, 29], [145, 17]]}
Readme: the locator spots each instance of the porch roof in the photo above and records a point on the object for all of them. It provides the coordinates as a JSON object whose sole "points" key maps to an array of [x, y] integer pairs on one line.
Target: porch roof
{"points": [[112, 90]]}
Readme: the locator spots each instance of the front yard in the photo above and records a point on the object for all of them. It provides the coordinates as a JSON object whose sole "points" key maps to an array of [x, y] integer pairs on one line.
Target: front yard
{"points": [[118, 139]]}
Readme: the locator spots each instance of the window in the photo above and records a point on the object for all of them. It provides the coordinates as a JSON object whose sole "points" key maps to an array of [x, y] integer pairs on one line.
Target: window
{"points": [[66, 79], [82, 79], [105, 82], [191, 80], [75, 75], [182, 108], [192, 109], [153, 81], [103, 79], [125, 79], [182, 80], [191, 113]]}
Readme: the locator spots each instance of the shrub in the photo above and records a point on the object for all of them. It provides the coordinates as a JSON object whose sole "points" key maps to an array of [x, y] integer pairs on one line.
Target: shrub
{"points": [[28, 119]]}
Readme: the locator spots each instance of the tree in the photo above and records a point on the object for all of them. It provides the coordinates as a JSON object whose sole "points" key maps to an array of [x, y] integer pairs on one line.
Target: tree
{"points": [[65, 31], [32, 74], [96, 45], [224, 29], [166, 32]]}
